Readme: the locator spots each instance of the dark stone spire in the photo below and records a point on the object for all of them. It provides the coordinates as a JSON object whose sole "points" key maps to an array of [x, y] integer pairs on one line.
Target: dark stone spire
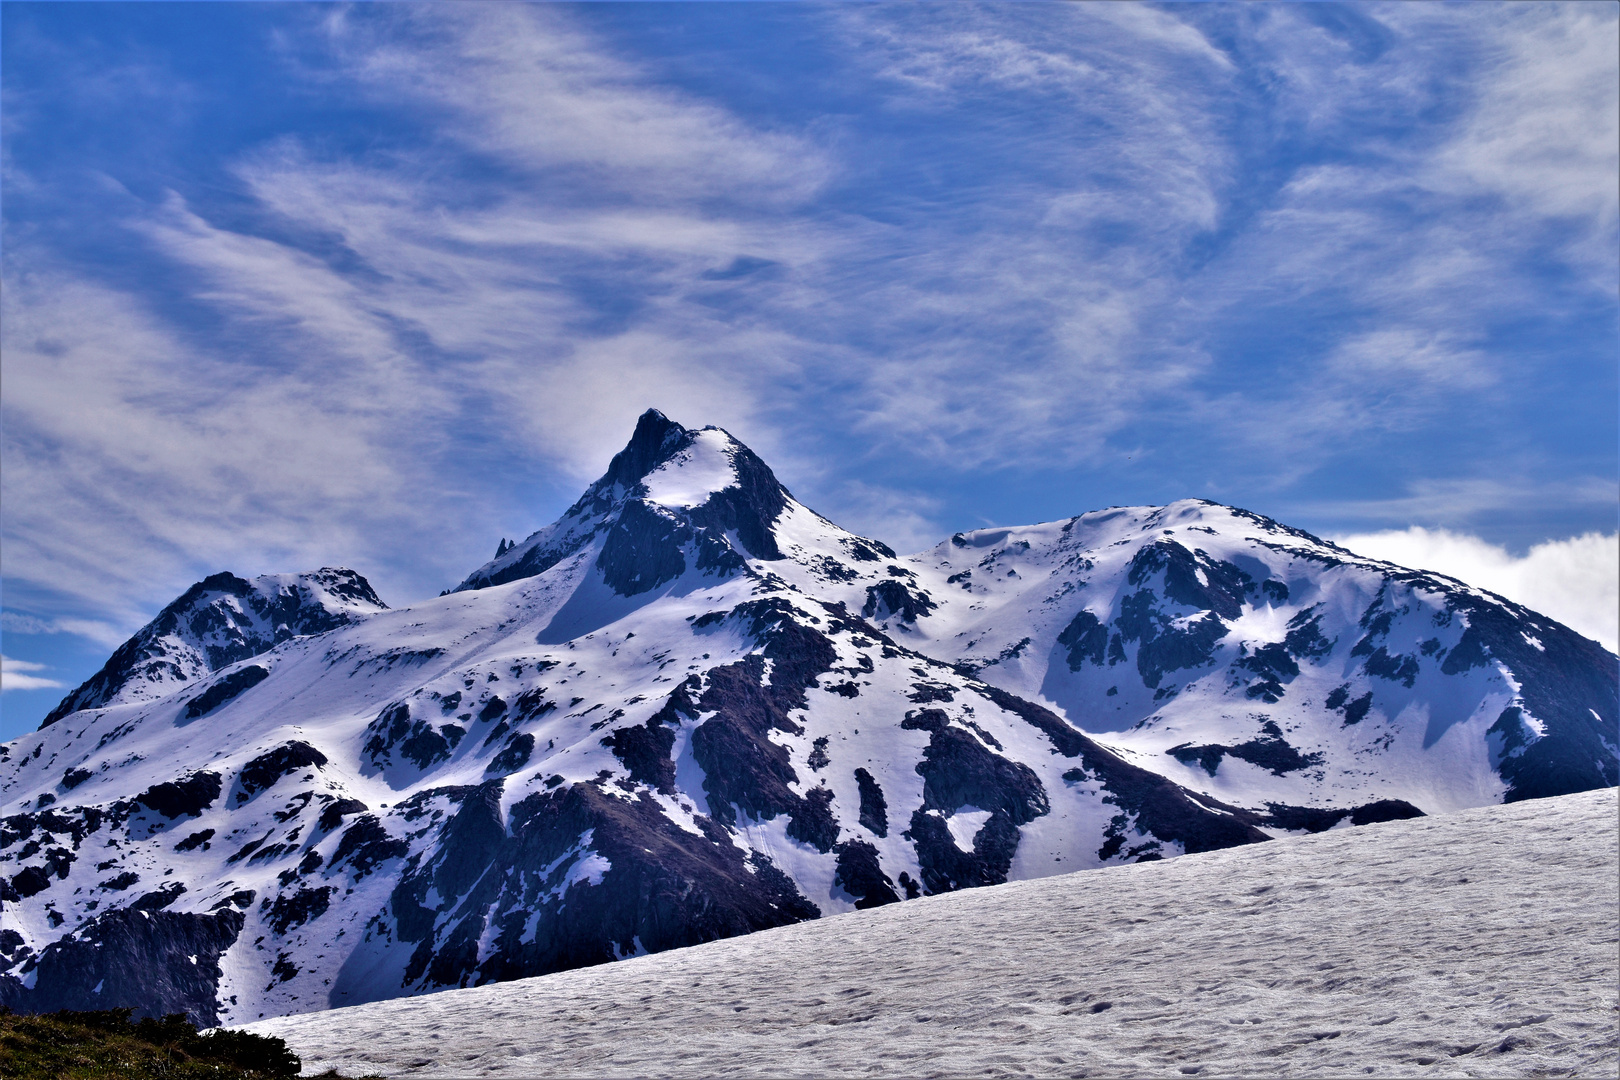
{"points": [[656, 439]]}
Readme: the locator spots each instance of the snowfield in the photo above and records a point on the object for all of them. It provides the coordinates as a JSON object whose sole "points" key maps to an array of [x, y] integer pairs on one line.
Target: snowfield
{"points": [[1478, 943]]}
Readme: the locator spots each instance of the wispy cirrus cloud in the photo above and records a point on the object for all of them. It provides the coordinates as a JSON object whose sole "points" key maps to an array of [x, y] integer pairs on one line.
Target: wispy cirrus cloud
{"points": [[103, 634], [334, 399], [531, 85], [1544, 133], [19, 675], [132, 456]]}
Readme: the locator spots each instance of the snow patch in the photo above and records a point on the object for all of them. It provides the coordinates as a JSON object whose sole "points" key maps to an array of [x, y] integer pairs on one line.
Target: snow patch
{"points": [[589, 870], [689, 478], [965, 825]]}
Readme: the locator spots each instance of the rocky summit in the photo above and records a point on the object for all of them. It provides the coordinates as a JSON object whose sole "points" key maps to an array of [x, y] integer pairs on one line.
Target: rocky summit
{"points": [[693, 708]]}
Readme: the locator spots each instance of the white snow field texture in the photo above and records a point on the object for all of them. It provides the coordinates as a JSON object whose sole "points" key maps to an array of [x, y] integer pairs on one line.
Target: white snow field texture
{"points": [[1477, 943], [693, 709]]}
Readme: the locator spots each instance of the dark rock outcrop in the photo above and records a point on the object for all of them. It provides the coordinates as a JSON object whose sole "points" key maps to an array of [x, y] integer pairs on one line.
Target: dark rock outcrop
{"points": [[874, 809], [960, 771], [225, 689], [1310, 819], [1269, 750], [155, 962], [272, 765], [861, 875], [891, 598], [189, 795]]}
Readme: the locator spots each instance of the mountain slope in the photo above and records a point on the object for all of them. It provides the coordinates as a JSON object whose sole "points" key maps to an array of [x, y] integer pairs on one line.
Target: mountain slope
{"points": [[693, 708], [1258, 663], [217, 622], [1344, 954]]}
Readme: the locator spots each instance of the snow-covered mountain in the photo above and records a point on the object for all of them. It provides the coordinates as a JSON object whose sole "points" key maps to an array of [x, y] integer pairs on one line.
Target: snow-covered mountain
{"points": [[693, 708], [1259, 664]]}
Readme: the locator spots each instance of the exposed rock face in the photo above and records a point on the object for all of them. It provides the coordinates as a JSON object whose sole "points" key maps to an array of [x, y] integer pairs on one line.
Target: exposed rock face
{"points": [[575, 876], [693, 708], [223, 690], [155, 962], [189, 796]]}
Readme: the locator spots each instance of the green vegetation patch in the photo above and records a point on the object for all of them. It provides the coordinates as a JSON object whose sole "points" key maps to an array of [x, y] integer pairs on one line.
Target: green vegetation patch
{"points": [[105, 1045]]}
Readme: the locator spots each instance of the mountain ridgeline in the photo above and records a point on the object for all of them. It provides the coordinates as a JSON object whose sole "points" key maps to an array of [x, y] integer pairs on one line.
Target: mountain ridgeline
{"points": [[693, 708]]}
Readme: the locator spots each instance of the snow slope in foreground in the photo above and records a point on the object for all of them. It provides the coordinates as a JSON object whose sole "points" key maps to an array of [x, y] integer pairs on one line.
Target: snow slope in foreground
{"points": [[1479, 943]]}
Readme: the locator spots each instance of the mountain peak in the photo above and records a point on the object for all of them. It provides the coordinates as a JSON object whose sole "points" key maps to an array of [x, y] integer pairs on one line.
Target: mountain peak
{"points": [[657, 438], [704, 477]]}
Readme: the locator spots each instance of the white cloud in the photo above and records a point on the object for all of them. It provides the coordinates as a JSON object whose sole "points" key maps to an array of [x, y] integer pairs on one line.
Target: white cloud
{"points": [[1545, 133], [1462, 500], [1576, 581], [104, 634], [531, 85], [1031, 325], [14, 676]]}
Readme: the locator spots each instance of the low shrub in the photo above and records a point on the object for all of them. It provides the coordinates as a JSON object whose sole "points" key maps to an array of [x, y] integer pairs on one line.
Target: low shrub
{"points": [[105, 1045]]}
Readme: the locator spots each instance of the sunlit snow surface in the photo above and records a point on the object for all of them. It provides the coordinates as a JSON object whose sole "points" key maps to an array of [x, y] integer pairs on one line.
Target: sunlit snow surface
{"points": [[695, 473], [1479, 943]]}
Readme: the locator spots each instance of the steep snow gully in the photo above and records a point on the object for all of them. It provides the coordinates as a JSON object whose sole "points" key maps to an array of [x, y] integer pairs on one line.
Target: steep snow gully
{"points": [[692, 709], [1478, 943]]}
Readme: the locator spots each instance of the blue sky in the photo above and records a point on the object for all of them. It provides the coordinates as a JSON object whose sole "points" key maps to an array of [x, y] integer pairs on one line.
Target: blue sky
{"points": [[290, 285]]}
